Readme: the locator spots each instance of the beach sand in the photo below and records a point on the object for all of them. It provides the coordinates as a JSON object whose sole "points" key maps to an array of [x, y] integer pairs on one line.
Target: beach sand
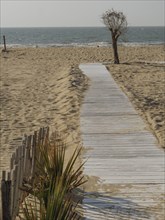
{"points": [[44, 87]]}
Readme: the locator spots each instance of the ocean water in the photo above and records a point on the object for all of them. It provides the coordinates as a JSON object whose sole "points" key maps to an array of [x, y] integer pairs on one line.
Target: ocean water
{"points": [[79, 36]]}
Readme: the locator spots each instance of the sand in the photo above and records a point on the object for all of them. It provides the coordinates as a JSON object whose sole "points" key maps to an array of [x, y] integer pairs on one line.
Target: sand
{"points": [[43, 87]]}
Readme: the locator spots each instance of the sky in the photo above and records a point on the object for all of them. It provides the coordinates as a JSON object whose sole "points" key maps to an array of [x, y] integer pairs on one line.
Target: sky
{"points": [[77, 13]]}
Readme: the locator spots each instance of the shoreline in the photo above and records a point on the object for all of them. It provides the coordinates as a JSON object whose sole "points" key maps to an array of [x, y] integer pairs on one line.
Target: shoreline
{"points": [[79, 45]]}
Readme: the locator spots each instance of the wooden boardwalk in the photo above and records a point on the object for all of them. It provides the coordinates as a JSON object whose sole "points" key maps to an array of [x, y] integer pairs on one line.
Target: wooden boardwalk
{"points": [[125, 166]]}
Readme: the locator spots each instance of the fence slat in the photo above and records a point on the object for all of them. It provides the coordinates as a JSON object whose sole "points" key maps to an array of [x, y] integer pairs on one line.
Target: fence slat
{"points": [[19, 179], [22, 169], [33, 154], [6, 197], [12, 161], [27, 165], [15, 189]]}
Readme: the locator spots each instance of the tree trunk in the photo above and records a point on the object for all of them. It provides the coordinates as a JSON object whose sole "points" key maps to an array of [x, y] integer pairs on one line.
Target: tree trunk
{"points": [[115, 52]]}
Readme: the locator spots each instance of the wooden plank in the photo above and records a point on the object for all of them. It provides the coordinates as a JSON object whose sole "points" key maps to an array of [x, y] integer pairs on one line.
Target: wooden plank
{"points": [[122, 154], [111, 124]]}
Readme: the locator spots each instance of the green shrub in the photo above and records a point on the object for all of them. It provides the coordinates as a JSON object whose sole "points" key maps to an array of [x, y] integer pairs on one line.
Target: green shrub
{"points": [[55, 181]]}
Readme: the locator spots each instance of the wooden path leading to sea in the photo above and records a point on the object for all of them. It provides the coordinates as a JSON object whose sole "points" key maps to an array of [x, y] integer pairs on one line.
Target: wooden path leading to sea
{"points": [[125, 166]]}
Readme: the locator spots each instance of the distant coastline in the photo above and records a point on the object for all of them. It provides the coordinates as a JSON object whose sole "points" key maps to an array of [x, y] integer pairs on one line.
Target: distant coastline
{"points": [[79, 36], [85, 27]]}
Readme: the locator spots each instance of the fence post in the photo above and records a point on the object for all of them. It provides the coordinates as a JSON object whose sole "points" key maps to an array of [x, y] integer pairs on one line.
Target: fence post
{"points": [[4, 42], [6, 197]]}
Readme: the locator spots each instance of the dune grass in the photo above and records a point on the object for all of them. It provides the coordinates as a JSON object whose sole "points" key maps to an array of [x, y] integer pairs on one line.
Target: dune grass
{"points": [[54, 184]]}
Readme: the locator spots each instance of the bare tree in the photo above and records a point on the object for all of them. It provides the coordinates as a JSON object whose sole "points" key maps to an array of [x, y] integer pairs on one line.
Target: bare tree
{"points": [[116, 22]]}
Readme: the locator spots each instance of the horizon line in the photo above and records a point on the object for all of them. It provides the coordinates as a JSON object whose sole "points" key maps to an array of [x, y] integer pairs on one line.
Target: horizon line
{"points": [[77, 26]]}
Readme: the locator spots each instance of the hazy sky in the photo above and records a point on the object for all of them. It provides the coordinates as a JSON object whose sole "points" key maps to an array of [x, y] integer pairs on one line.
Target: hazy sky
{"points": [[45, 13]]}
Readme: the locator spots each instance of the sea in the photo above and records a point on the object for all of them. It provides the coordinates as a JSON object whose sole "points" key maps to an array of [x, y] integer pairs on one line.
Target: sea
{"points": [[79, 36]]}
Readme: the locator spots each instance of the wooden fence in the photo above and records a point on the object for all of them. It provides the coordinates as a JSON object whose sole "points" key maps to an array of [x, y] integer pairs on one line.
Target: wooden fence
{"points": [[22, 168]]}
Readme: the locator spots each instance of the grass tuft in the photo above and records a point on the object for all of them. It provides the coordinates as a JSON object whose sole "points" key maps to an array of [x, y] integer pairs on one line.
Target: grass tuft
{"points": [[54, 184]]}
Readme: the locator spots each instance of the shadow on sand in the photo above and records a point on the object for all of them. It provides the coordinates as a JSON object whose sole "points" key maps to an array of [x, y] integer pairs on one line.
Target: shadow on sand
{"points": [[100, 206]]}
